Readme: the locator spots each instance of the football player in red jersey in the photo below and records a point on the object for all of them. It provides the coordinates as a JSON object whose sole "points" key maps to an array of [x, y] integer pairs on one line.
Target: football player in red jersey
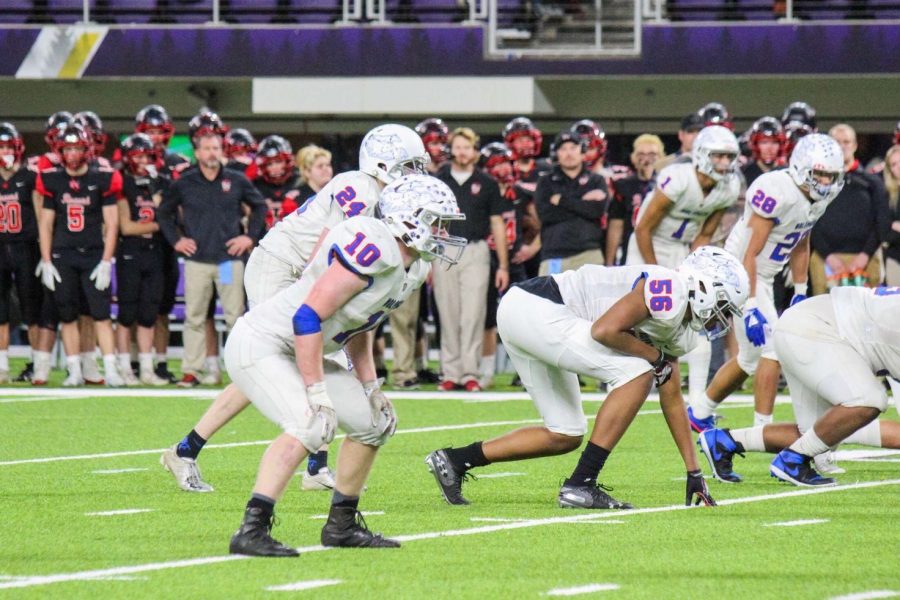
{"points": [[524, 140], [277, 179], [766, 144], [19, 251], [594, 140], [94, 127], [435, 135], [798, 120], [240, 149], [78, 228]]}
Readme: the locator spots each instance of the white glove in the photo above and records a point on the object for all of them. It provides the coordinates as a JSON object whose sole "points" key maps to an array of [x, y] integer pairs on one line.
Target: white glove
{"points": [[380, 405], [48, 274], [102, 275], [322, 423]]}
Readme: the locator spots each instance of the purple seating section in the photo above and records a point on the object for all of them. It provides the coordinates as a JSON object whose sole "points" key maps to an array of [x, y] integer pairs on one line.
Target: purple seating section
{"points": [[510, 12]]}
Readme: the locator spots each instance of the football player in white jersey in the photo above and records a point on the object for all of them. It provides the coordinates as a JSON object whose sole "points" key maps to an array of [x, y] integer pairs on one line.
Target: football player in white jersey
{"points": [[683, 213], [279, 354], [387, 152], [781, 209], [832, 349], [621, 325]]}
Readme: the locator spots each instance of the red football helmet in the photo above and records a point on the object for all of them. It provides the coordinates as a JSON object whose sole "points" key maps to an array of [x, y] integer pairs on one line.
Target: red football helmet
{"points": [[793, 131], [56, 123], [800, 112], [594, 140], [76, 136], [497, 161], [155, 122], [239, 141], [10, 136], [94, 126], [435, 134], [715, 113], [135, 146], [206, 122], [522, 138], [766, 128], [271, 149]]}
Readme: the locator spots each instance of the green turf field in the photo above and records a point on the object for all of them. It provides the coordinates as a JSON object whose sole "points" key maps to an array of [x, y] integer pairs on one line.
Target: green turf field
{"points": [[512, 542]]}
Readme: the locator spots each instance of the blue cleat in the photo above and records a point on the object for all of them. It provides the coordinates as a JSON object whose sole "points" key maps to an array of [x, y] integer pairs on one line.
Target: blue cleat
{"points": [[720, 448], [795, 468], [701, 425]]}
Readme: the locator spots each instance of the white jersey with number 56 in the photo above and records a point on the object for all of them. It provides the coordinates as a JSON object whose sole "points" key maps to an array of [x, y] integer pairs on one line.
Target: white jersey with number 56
{"points": [[294, 238], [775, 196], [365, 246], [591, 290]]}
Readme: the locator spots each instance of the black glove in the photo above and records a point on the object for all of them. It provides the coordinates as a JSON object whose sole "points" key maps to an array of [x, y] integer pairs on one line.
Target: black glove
{"points": [[696, 486], [662, 369]]}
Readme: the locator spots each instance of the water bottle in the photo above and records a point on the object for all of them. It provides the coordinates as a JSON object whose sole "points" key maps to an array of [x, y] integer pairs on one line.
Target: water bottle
{"points": [[860, 278]]}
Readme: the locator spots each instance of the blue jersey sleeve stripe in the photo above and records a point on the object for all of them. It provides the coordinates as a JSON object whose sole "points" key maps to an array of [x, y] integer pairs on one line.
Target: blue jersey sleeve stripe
{"points": [[336, 252]]}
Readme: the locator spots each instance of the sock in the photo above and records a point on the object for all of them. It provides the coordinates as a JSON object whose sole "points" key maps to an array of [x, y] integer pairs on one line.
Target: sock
{"points": [[751, 438], [109, 363], [264, 503], [698, 369], [41, 359], [760, 419], [162, 359], [212, 364], [4, 360], [421, 364], [339, 500], [124, 361], [589, 465], [467, 457], [146, 361], [704, 408], [488, 366], [73, 363], [809, 444], [316, 462], [190, 446]]}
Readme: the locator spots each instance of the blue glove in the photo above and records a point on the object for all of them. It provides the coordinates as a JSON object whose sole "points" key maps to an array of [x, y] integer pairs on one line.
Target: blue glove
{"points": [[755, 324], [798, 298]]}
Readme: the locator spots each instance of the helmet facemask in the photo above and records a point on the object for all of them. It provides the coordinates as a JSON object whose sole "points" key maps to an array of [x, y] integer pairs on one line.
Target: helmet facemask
{"points": [[426, 231]]}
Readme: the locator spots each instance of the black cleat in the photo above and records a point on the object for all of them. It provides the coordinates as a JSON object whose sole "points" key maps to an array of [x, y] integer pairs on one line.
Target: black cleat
{"points": [[162, 371], [254, 539], [428, 376], [448, 478], [588, 496], [26, 374], [346, 528]]}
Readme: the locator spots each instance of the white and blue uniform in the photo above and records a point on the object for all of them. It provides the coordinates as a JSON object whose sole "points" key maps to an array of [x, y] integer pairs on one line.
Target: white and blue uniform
{"points": [[260, 354], [774, 196], [286, 249], [550, 343]]}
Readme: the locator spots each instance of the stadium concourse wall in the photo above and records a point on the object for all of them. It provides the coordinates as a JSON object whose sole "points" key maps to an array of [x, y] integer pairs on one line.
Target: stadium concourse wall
{"points": [[363, 75]]}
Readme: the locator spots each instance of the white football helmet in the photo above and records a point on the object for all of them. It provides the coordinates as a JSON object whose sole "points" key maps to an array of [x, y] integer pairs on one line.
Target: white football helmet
{"points": [[391, 151], [817, 152], [416, 208], [714, 139], [718, 287]]}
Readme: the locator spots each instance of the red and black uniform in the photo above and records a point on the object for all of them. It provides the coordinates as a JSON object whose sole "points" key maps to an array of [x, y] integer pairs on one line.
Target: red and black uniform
{"points": [[77, 246], [282, 199], [139, 258], [19, 249], [628, 194]]}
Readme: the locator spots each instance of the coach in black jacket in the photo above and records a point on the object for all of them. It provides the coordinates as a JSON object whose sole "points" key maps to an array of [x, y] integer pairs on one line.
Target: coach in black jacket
{"points": [[212, 239], [571, 203]]}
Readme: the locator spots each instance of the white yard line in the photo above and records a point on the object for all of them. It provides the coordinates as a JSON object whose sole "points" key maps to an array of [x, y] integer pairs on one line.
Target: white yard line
{"points": [[115, 471], [124, 511], [796, 523], [498, 475], [302, 585], [583, 589], [36, 399], [365, 513], [37, 580], [497, 520], [868, 595]]}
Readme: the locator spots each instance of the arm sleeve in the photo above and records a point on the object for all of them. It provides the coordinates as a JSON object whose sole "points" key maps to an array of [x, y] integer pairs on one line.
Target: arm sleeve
{"points": [[114, 191], [167, 213]]}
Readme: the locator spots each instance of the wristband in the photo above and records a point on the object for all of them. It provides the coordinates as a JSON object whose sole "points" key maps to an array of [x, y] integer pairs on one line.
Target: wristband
{"points": [[801, 288]]}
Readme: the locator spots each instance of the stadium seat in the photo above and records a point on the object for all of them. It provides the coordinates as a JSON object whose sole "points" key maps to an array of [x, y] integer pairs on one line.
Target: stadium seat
{"points": [[250, 11], [125, 12], [67, 11], [15, 11]]}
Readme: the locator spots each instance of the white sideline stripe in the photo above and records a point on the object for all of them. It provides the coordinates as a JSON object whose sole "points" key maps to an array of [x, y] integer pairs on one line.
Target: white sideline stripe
{"points": [[868, 595], [302, 585], [429, 429], [114, 471], [36, 399], [584, 589], [498, 475], [210, 560], [124, 511], [864, 454], [364, 513], [874, 460], [796, 523]]}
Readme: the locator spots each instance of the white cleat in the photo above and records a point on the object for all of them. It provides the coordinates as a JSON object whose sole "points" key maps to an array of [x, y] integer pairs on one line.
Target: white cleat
{"points": [[128, 377], [151, 378], [91, 372], [323, 480], [185, 470], [826, 464], [211, 378], [114, 379], [73, 380]]}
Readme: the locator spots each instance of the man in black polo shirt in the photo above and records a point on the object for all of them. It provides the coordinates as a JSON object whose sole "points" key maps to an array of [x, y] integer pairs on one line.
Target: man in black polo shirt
{"points": [[213, 242], [571, 203], [461, 292]]}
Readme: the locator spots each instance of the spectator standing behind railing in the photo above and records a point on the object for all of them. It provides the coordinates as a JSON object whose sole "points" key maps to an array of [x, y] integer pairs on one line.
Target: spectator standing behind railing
{"points": [[845, 241], [212, 241], [892, 242]]}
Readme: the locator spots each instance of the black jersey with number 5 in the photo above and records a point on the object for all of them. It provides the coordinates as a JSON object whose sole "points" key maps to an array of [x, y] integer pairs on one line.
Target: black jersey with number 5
{"points": [[78, 202], [17, 219]]}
